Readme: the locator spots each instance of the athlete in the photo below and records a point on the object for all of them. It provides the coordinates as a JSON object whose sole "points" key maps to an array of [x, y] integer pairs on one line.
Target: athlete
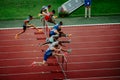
{"points": [[49, 17], [25, 26], [51, 51], [45, 9], [54, 38], [58, 30], [60, 45]]}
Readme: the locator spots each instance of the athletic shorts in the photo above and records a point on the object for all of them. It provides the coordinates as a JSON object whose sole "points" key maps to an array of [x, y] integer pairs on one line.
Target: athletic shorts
{"points": [[52, 33], [47, 56], [24, 27]]}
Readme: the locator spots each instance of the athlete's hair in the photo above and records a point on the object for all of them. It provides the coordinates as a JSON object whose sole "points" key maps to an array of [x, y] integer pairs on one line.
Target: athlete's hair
{"points": [[49, 6], [53, 11], [56, 45], [30, 16], [60, 23]]}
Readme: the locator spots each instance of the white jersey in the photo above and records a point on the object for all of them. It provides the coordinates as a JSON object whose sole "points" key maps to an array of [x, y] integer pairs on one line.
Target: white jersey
{"points": [[54, 43]]}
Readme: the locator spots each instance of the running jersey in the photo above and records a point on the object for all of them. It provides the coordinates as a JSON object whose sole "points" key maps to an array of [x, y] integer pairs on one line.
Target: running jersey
{"points": [[53, 38], [56, 26], [49, 50], [48, 16], [52, 32], [43, 9], [54, 43]]}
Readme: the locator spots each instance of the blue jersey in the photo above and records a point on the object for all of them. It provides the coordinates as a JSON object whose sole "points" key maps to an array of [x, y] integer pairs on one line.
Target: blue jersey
{"points": [[87, 2], [48, 53], [52, 32], [57, 26]]}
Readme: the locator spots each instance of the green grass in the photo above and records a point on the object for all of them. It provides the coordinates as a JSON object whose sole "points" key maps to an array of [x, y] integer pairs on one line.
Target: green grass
{"points": [[101, 7], [20, 9]]}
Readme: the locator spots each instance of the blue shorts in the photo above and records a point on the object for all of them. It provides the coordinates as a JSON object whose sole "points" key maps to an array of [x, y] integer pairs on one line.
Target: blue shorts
{"points": [[52, 33], [46, 56]]}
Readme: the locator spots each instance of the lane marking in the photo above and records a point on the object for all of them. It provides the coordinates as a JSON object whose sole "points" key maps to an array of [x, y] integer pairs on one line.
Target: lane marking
{"points": [[29, 58], [70, 25], [85, 30], [93, 69], [105, 61], [108, 69], [78, 63], [108, 41], [103, 77]]}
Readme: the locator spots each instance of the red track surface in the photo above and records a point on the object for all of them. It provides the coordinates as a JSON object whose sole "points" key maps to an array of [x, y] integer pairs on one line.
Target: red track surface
{"points": [[95, 55]]}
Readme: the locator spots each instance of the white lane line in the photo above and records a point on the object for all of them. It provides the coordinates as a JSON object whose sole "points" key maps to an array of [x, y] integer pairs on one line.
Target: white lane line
{"points": [[93, 69], [20, 45], [94, 41], [103, 54], [116, 47], [29, 39], [105, 61], [71, 43], [118, 35], [30, 51], [96, 48], [29, 73], [85, 30], [13, 74], [95, 78], [101, 24], [29, 58], [19, 66], [11, 34]]}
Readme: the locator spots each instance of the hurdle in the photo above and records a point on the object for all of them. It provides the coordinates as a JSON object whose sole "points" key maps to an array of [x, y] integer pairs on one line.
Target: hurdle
{"points": [[62, 61], [45, 32]]}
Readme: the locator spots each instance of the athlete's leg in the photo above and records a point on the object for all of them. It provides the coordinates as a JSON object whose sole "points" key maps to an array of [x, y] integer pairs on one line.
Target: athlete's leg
{"points": [[31, 25], [61, 34], [51, 21], [21, 32], [89, 12], [45, 43], [39, 63]]}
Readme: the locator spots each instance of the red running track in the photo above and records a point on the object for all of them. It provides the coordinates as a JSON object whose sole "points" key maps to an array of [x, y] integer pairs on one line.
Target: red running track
{"points": [[95, 55]]}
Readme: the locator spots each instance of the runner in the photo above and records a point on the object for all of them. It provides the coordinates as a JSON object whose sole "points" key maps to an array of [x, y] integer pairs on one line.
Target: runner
{"points": [[45, 9], [51, 51], [53, 39], [25, 26], [57, 29], [49, 17]]}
